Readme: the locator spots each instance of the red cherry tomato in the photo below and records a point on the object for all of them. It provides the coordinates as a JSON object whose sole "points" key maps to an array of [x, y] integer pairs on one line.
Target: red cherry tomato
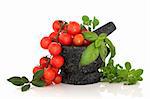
{"points": [[57, 61], [57, 25], [65, 27], [58, 79], [73, 28], [78, 40], [53, 36], [47, 82], [36, 68], [45, 42], [49, 74], [44, 61], [54, 48], [65, 39], [55, 69], [86, 42]]}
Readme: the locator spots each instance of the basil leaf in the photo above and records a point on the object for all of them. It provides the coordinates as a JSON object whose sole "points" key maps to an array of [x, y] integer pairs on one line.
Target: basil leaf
{"points": [[128, 65], [38, 83], [25, 87], [85, 20], [38, 74], [25, 80], [91, 36], [95, 22], [111, 46], [100, 39], [89, 55], [16, 81], [103, 51], [98, 42]]}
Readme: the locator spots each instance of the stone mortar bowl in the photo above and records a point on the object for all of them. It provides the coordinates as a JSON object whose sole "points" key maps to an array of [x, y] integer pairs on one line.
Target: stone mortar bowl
{"points": [[72, 73]]}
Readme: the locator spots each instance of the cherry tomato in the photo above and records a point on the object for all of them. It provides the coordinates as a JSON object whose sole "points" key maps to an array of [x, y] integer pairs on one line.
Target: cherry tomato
{"points": [[45, 42], [57, 61], [65, 39], [78, 40], [73, 28], [86, 42], [58, 79], [54, 48], [36, 68], [53, 36], [65, 27], [57, 25], [44, 61], [49, 74], [47, 82], [55, 69]]}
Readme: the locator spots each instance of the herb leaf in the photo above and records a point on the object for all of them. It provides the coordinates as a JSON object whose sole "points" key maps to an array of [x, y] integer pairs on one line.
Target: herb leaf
{"points": [[16, 81], [100, 39], [103, 51], [38, 83], [91, 36], [25, 87], [25, 80], [85, 20], [128, 65], [38, 74], [95, 22], [111, 46], [89, 55]]}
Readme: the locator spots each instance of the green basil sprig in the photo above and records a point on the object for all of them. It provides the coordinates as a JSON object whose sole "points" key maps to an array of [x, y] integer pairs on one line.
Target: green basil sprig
{"points": [[99, 47], [25, 83]]}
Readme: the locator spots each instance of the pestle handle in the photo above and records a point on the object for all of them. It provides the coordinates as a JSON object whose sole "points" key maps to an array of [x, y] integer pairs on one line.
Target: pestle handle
{"points": [[107, 28]]}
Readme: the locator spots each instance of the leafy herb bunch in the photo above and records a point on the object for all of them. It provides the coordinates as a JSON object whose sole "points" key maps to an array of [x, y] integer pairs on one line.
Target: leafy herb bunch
{"points": [[101, 47]]}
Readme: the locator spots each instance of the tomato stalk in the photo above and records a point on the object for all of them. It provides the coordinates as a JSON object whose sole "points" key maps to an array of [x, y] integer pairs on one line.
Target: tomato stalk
{"points": [[62, 26]]}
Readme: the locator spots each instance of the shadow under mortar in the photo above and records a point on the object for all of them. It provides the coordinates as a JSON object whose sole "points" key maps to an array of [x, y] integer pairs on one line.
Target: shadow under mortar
{"points": [[72, 73]]}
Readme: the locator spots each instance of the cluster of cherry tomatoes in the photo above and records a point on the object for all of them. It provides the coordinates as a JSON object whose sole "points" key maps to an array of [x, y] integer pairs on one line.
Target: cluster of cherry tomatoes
{"points": [[67, 34]]}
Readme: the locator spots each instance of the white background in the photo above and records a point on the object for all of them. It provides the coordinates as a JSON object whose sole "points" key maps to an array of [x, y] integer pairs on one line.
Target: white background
{"points": [[24, 22]]}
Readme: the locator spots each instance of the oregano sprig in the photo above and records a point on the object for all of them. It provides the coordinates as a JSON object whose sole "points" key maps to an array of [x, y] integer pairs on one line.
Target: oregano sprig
{"points": [[25, 83], [116, 73]]}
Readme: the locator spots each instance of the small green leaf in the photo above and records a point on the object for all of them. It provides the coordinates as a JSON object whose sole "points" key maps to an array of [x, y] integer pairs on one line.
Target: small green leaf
{"points": [[16, 81], [85, 20], [25, 80], [95, 22], [25, 87], [38, 83], [111, 46], [38, 74], [140, 78], [103, 51], [98, 42], [123, 73], [91, 36], [110, 62], [128, 65], [138, 72], [82, 27], [89, 55], [100, 39], [131, 80], [90, 21]]}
